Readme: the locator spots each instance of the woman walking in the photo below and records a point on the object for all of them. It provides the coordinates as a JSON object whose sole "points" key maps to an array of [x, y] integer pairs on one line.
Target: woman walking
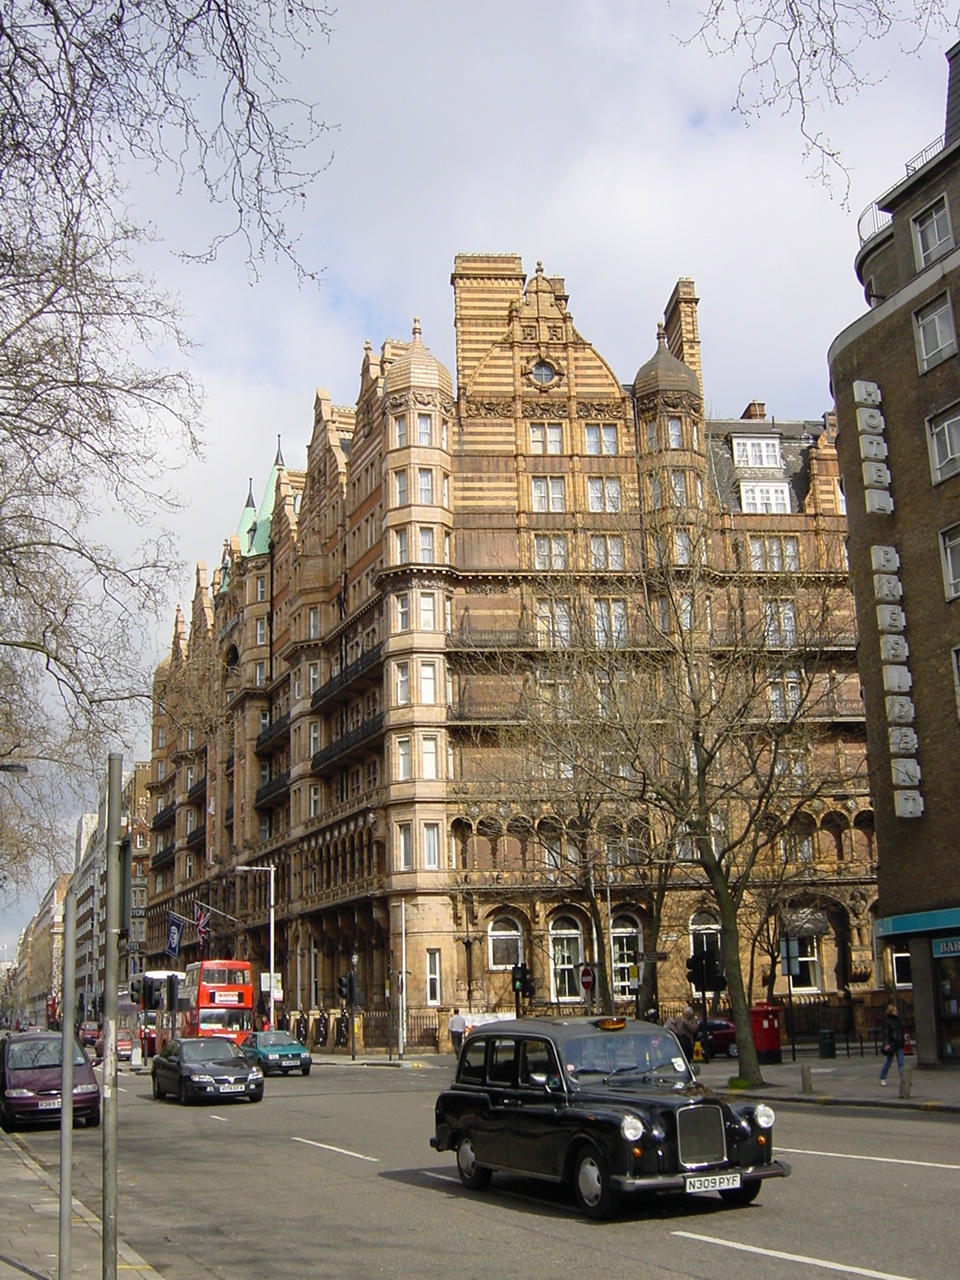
{"points": [[893, 1041]]}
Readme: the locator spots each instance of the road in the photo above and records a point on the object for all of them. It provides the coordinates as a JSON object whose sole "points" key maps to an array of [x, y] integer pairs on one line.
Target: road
{"points": [[332, 1175]]}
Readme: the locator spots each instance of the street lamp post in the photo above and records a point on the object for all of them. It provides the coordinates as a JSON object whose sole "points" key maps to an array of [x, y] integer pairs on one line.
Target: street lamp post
{"points": [[272, 869]]}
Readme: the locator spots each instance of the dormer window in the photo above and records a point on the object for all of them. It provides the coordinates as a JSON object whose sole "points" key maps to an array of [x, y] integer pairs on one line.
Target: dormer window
{"points": [[757, 452], [542, 373]]}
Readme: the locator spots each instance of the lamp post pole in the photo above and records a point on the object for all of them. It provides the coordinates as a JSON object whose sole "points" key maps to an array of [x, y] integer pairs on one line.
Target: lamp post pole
{"points": [[272, 870]]}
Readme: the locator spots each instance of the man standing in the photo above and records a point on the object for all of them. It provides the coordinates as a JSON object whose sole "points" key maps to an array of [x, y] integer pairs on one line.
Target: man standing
{"points": [[456, 1026]]}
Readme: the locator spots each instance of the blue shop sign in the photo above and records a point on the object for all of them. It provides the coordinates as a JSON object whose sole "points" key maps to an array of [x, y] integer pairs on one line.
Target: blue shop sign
{"points": [[943, 947]]}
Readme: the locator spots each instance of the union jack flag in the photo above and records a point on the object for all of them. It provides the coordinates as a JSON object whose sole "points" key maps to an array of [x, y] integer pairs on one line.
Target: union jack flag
{"points": [[201, 920]]}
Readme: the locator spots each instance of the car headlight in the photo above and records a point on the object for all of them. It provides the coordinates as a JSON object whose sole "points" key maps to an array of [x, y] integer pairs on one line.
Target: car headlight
{"points": [[201, 1077], [764, 1115], [256, 1073], [631, 1128], [85, 1088], [19, 1093]]}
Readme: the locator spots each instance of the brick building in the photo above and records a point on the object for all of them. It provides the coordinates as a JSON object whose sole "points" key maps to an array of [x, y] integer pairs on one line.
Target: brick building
{"points": [[342, 702], [896, 382]]}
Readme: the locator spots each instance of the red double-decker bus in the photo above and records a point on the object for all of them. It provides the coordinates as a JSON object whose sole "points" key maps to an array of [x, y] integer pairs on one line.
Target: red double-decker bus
{"points": [[217, 999]]}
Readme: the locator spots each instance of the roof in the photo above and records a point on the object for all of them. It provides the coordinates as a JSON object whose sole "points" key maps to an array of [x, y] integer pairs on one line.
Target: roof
{"points": [[664, 372]]}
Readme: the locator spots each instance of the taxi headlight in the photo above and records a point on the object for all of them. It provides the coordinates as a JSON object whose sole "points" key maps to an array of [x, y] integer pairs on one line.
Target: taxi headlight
{"points": [[19, 1093], [86, 1088], [764, 1116], [631, 1128]]}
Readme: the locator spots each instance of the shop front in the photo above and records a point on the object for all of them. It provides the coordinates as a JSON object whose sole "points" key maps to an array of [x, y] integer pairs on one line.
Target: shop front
{"points": [[932, 939]]}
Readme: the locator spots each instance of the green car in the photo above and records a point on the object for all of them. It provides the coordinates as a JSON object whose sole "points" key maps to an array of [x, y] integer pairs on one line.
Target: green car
{"points": [[276, 1051]]}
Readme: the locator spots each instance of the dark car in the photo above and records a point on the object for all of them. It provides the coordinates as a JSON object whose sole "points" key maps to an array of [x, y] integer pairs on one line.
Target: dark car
{"points": [[87, 1035], [30, 1080], [276, 1051], [124, 1044], [198, 1067], [721, 1037], [604, 1105]]}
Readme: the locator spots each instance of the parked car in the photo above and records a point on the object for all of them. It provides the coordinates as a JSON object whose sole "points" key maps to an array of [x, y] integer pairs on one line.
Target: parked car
{"points": [[196, 1067], [87, 1035], [721, 1037], [607, 1106], [276, 1051], [30, 1080], [124, 1044]]}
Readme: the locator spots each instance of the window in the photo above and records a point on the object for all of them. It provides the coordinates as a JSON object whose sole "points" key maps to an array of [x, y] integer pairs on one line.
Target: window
{"points": [[808, 955], [683, 546], [403, 683], [943, 436], [261, 588], [760, 451], [606, 552], [404, 772], [950, 554], [603, 494], [425, 486], [675, 429], [678, 488], [932, 234], [446, 491], [424, 431], [430, 757], [933, 325], [504, 943], [403, 612], [402, 552], [444, 432], [400, 482], [161, 737], [779, 623], [550, 552], [627, 946], [546, 437], [261, 631], [260, 675], [431, 846], [610, 623], [600, 439], [158, 884], [757, 498], [426, 546], [656, 497], [314, 800], [314, 737], [428, 683], [433, 977], [428, 611], [902, 973], [651, 436], [404, 847], [553, 624], [784, 695], [400, 431], [548, 493], [313, 678], [566, 952]]}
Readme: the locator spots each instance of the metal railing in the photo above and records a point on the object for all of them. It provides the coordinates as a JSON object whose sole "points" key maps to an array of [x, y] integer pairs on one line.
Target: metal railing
{"points": [[369, 658], [873, 220], [273, 731], [368, 729], [270, 790]]}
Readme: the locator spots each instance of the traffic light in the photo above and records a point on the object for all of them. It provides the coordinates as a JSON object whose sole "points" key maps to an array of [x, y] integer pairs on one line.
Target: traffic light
{"points": [[516, 978], [713, 979], [695, 970], [528, 988], [343, 988]]}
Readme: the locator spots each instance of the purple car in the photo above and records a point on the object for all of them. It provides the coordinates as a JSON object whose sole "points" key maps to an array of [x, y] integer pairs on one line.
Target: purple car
{"points": [[30, 1065]]}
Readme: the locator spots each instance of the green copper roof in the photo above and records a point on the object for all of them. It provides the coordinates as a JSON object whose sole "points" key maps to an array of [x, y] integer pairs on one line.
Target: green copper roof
{"points": [[257, 541]]}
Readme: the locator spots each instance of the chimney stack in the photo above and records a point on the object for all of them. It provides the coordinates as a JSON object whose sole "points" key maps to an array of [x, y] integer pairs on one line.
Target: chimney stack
{"points": [[951, 131], [755, 411]]}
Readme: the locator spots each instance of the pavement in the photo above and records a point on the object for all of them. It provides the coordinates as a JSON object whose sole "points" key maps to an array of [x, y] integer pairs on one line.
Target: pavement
{"points": [[29, 1194]]}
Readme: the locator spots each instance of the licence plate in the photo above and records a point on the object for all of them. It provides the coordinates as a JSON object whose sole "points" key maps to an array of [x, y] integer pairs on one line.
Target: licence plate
{"points": [[49, 1104], [711, 1182], [238, 1088]]}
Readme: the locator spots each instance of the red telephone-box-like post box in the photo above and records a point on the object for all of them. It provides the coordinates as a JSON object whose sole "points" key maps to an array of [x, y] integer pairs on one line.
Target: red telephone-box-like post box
{"points": [[765, 1025]]}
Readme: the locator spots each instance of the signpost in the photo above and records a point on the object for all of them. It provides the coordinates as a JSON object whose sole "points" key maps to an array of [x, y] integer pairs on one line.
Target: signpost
{"points": [[586, 985]]}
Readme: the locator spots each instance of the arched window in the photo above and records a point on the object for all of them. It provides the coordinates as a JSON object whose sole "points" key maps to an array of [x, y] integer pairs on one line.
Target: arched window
{"points": [[627, 945], [566, 957], [504, 943]]}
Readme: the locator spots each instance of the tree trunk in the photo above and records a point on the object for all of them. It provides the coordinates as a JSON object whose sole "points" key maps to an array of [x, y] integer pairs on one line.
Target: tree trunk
{"points": [[748, 1064]]}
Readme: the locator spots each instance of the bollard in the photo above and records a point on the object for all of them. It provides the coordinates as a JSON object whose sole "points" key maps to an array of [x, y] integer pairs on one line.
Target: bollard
{"points": [[806, 1079], [906, 1081]]}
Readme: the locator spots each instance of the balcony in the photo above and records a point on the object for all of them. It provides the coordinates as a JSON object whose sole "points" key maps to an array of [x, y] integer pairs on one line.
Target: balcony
{"points": [[470, 711], [274, 737], [874, 219], [164, 818], [272, 793], [341, 682], [197, 836], [468, 640], [198, 790], [230, 762], [163, 857], [228, 815], [347, 744]]}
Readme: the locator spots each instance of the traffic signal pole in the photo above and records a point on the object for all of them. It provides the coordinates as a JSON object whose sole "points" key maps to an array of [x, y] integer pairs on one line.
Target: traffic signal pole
{"points": [[111, 975]]}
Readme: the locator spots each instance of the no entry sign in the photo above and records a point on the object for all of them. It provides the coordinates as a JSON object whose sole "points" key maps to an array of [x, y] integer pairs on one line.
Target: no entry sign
{"points": [[586, 977]]}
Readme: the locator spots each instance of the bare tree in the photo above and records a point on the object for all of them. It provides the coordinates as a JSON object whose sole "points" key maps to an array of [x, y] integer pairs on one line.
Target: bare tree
{"points": [[94, 411], [806, 54]]}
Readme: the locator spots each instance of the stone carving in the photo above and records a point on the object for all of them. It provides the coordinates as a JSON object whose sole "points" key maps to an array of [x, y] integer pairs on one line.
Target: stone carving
{"points": [[600, 409], [489, 409], [553, 408]]}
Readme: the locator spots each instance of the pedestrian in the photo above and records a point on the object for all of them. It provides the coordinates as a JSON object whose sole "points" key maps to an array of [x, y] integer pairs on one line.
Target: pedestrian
{"points": [[893, 1041], [686, 1028], [456, 1026]]}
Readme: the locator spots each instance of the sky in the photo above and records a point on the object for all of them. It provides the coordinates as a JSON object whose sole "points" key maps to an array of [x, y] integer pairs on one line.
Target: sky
{"points": [[585, 135]]}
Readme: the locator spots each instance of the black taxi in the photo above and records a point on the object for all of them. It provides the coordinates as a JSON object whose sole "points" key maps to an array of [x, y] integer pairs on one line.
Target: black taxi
{"points": [[606, 1105]]}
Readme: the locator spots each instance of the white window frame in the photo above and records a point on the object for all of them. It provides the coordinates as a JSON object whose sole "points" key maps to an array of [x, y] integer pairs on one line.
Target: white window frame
{"points": [[403, 612], [430, 757], [428, 611], [425, 486], [504, 935], [426, 547], [400, 431], [260, 675], [314, 800], [261, 588], [944, 429], [404, 846], [950, 560], [402, 546], [404, 758], [934, 323], [261, 631], [433, 977], [566, 958], [549, 551], [627, 945], [400, 486], [675, 432], [428, 683], [403, 684], [936, 216], [431, 846], [424, 430], [808, 945]]}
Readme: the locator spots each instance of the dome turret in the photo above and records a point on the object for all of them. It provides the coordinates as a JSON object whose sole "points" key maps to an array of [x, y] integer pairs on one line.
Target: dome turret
{"points": [[416, 367], [665, 372]]}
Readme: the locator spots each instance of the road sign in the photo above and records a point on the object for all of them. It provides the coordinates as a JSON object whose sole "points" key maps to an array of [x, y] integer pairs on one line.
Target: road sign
{"points": [[651, 957], [586, 977]]}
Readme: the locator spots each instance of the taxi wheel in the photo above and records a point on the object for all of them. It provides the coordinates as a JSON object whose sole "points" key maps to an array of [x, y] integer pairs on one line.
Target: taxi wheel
{"points": [[472, 1175], [739, 1196], [591, 1181], [93, 1122]]}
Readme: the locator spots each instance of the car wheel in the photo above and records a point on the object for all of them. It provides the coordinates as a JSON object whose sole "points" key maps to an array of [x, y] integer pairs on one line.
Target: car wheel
{"points": [[6, 1121], [157, 1091], [732, 1050], [93, 1122], [740, 1196], [257, 1097], [305, 1069], [473, 1176], [182, 1096], [591, 1181]]}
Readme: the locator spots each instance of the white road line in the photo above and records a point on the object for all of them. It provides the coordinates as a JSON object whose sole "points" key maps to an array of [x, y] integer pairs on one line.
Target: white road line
{"points": [[222, 1119], [843, 1155], [792, 1257], [439, 1177], [341, 1151]]}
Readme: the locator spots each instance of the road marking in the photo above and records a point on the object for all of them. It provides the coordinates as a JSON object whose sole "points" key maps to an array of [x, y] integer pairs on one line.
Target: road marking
{"points": [[439, 1177], [341, 1151], [792, 1257], [222, 1119], [843, 1155]]}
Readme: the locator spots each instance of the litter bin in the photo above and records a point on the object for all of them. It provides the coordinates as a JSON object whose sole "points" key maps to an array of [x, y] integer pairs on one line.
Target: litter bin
{"points": [[828, 1043], [765, 1025]]}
